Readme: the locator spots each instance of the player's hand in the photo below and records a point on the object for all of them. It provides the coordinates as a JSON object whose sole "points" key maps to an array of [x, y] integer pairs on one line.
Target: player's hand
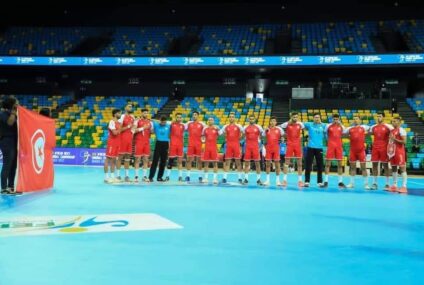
{"points": [[146, 126]]}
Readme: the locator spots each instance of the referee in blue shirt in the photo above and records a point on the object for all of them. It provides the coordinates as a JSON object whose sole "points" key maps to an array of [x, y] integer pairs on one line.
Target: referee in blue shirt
{"points": [[316, 131], [162, 130]]}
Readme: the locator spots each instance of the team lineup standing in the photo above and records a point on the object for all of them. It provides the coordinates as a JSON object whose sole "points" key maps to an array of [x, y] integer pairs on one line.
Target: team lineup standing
{"points": [[388, 146]]}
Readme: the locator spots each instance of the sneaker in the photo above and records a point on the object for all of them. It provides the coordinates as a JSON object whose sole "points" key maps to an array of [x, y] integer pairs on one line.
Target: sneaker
{"points": [[127, 179], [150, 180], [187, 179], [119, 178], [245, 181], [145, 179], [160, 179], [200, 179], [266, 183], [106, 180], [167, 179], [393, 188], [323, 185], [279, 183], [224, 180], [350, 186], [215, 181], [367, 187], [205, 181], [301, 184], [13, 192], [5, 191], [180, 179], [240, 181], [402, 190], [259, 182], [386, 187], [284, 183], [136, 179], [342, 185], [374, 186]]}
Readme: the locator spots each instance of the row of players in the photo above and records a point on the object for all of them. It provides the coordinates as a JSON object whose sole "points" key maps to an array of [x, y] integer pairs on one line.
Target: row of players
{"points": [[388, 145]]}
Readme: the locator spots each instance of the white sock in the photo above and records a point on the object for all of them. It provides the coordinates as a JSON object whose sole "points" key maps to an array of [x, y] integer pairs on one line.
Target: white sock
{"points": [[215, 176], [239, 176], [366, 180], [395, 176], [106, 175], [118, 172], [352, 179], [258, 176], [205, 175], [188, 173], [299, 178], [276, 179], [375, 180], [267, 177], [340, 178], [144, 172], [325, 178], [127, 172], [387, 180], [284, 177], [225, 175], [245, 175], [112, 175], [180, 173], [136, 172], [404, 178]]}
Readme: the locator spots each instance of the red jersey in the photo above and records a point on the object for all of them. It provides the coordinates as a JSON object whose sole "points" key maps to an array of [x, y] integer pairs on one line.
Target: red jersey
{"points": [[253, 134], [293, 132], [195, 132], [334, 134], [357, 137], [145, 134], [125, 121], [232, 133], [381, 134], [273, 136], [177, 133], [113, 139], [399, 133], [211, 136]]}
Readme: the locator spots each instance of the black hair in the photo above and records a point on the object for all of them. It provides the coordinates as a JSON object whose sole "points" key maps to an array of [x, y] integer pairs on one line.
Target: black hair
{"points": [[144, 110], [45, 112], [8, 103], [115, 111], [163, 118], [336, 116]]}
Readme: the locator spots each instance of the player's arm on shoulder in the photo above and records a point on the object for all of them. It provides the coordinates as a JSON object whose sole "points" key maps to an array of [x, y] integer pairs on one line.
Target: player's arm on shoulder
{"points": [[113, 129], [222, 130]]}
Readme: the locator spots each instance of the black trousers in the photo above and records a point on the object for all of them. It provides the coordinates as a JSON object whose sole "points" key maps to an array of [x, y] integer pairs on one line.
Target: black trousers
{"points": [[312, 153], [160, 155], [9, 149]]}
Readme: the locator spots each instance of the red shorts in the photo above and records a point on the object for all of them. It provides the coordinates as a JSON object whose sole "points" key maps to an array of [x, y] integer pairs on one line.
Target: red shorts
{"points": [[112, 150], [252, 153], [398, 159], [142, 148], [194, 150], [357, 155], [176, 150], [379, 154], [272, 152], [233, 151], [210, 154], [294, 151], [334, 153], [126, 145]]}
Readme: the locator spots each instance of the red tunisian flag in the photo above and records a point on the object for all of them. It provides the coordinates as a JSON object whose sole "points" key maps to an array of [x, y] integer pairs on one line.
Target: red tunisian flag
{"points": [[36, 140]]}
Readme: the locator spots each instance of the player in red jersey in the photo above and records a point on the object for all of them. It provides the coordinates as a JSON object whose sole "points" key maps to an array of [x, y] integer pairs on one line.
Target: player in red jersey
{"points": [[396, 152], [273, 136], [210, 154], [233, 133], [293, 133], [253, 133], [357, 134], [113, 144], [142, 132], [334, 133], [381, 133], [176, 147], [194, 150], [125, 150]]}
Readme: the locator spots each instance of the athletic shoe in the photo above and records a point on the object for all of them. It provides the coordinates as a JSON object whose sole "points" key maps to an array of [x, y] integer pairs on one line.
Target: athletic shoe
{"points": [[5, 191], [167, 179], [145, 179], [224, 180], [205, 181], [127, 179], [279, 183], [180, 179], [374, 186], [259, 182], [106, 180], [387, 187], [301, 184], [350, 186], [266, 183], [215, 181], [342, 185], [324, 185], [402, 190], [245, 181], [284, 183], [367, 187], [119, 178], [136, 179], [150, 180], [306, 184], [240, 181], [12, 191], [200, 180], [393, 188], [160, 179], [187, 179]]}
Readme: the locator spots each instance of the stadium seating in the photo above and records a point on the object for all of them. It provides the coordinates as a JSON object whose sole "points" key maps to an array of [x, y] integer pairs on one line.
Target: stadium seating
{"points": [[413, 32], [37, 102], [42, 40], [418, 106]]}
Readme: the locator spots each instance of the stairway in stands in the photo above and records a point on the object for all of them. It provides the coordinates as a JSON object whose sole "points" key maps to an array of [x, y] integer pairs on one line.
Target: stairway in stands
{"points": [[167, 109], [280, 109], [411, 118]]}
